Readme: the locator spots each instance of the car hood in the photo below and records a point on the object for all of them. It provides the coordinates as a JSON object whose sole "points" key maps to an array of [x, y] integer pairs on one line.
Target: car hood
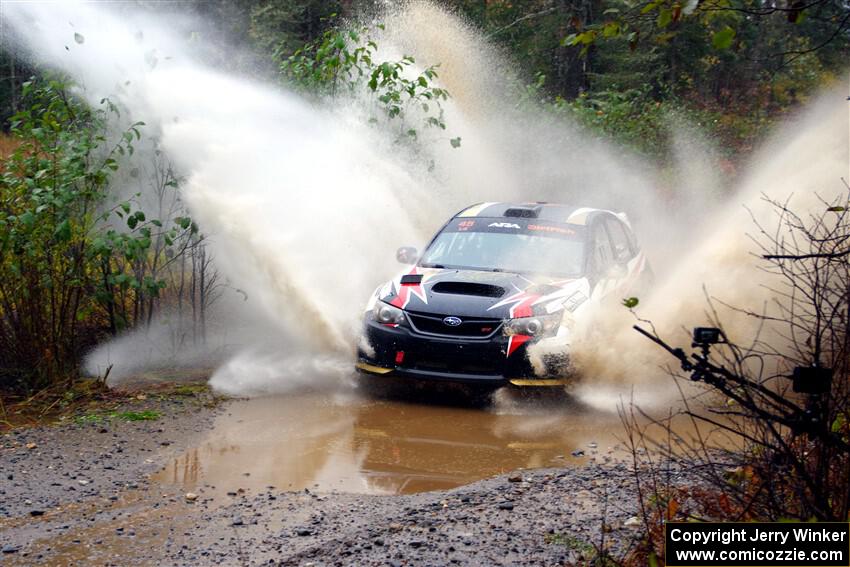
{"points": [[473, 293]]}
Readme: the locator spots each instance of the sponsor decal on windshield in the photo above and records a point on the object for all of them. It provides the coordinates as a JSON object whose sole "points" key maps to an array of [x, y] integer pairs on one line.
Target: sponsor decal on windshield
{"points": [[516, 226], [551, 228]]}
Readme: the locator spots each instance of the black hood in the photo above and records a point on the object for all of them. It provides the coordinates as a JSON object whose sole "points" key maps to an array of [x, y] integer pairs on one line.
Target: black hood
{"points": [[463, 293]]}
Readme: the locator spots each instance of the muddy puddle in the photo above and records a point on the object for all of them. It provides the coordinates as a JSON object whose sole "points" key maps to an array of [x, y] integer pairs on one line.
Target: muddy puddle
{"points": [[351, 444]]}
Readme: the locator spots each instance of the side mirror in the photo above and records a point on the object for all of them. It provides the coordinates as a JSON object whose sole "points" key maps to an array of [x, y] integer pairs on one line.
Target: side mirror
{"points": [[407, 255], [622, 251]]}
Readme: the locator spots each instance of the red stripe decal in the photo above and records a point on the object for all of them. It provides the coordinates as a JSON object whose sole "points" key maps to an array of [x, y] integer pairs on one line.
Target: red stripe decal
{"points": [[515, 342], [523, 308], [404, 291]]}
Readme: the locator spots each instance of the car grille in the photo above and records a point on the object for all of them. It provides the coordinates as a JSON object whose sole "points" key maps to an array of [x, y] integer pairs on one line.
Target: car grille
{"points": [[469, 328], [454, 364]]}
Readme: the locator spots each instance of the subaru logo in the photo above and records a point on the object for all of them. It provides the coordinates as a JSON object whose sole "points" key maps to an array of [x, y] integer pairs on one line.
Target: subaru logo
{"points": [[452, 321]]}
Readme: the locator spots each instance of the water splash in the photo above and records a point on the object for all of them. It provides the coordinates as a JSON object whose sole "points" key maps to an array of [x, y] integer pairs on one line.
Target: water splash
{"points": [[805, 160], [306, 204]]}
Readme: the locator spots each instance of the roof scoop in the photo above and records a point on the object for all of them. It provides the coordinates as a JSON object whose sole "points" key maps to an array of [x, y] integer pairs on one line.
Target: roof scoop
{"points": [[468, 288], [523, 212]]}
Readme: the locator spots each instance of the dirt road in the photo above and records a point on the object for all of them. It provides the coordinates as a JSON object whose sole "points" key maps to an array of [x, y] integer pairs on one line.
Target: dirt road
{"points": [[114, 491]]}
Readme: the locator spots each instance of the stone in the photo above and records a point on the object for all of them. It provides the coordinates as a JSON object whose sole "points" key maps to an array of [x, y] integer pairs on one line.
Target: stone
{"points": [[633, 522]]}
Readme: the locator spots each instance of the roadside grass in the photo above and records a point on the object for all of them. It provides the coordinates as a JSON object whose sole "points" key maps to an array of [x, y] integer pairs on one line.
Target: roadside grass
{"points": [[570, 542], [189, 390], [102, 417], [145, 415], [53, 403], [91, 401], [89, 418]]}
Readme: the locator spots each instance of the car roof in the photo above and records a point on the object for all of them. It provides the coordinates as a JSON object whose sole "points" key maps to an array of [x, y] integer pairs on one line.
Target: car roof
{"points": [[552, 212]]}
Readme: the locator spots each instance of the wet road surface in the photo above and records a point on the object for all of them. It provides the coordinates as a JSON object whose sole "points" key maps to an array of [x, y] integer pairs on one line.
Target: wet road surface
{"points": [[351, 444], [295, 476]]}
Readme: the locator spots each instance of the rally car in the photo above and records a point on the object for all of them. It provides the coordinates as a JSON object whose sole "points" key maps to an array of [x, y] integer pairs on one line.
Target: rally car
{"points": [[497, 281]]}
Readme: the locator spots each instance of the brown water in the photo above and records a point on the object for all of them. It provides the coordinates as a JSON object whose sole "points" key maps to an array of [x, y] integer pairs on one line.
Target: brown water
{"points": [[350, 444]]}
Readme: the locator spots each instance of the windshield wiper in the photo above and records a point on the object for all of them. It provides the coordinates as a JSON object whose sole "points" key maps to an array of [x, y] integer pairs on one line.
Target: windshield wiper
{"points": [[429, 265]]}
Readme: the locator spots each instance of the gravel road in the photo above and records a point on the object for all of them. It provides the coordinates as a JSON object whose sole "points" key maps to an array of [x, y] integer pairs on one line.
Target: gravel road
{"points": [[80, 493]]}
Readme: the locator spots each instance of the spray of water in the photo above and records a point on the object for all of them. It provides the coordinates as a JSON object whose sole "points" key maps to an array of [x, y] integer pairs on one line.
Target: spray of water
{"points": [[804, 162], [306, 204], [299, 200]]}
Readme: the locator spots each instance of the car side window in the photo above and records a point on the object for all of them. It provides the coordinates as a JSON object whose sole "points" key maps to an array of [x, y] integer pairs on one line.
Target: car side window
{"points": [[602, 254], [620, 240]]}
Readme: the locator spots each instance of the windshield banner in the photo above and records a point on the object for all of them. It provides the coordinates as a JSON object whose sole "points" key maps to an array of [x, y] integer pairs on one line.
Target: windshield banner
{"points": [[531, 227]]}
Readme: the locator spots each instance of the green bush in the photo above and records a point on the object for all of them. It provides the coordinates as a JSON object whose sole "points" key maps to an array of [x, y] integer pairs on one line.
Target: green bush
{"points": [[346, 60], [63, 265]]}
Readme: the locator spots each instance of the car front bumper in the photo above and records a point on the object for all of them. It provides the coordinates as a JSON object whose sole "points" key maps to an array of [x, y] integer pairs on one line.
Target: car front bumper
{"points": [[398, 351]]}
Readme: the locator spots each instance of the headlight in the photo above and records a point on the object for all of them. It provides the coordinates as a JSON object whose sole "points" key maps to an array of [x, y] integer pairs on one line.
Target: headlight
{"points": [[533, 326], [388, 314]]}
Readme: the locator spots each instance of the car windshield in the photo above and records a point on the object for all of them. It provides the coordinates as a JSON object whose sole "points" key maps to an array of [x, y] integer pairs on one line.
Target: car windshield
{"points": [[518, 247]]}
